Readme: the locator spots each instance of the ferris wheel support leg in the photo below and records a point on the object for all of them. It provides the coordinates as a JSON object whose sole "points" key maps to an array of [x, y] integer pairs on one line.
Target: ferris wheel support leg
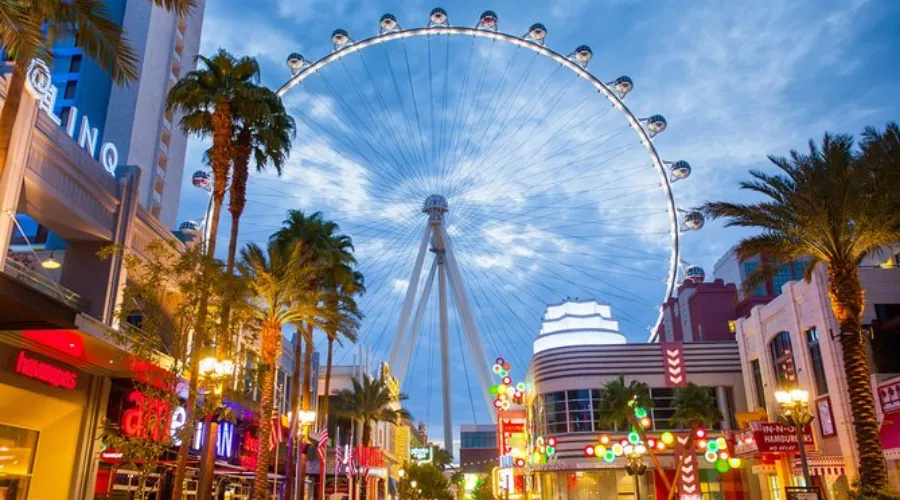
{"points": [[465, 312], [405, 357], [411, 287], [445, 353]]}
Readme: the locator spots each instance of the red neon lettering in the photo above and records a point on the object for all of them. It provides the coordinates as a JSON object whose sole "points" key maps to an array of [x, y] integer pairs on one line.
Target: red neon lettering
{"points": [[45, 372], [147, 418]]}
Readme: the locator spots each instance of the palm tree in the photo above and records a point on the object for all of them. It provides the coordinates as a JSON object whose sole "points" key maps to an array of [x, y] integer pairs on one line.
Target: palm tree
{"points": [[270, 274], [340, 315], [206, 98], [834, 206], [369, 402], [263, 133], [695, 407], [617, 409], [29, 29], [314, 234]]}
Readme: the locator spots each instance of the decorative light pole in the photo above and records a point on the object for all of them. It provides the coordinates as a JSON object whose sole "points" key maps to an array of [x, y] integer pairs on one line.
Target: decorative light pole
{"points": [[213, 372], [795, 413]]}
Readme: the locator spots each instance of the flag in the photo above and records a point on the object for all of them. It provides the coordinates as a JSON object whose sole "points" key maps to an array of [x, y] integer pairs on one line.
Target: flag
{"points": [[338, 459], [323, 444], [276, 435], [351, 469]]}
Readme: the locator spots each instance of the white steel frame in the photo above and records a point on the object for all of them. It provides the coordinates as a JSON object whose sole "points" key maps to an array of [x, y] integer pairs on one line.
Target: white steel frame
{"points": [[444, 264]]}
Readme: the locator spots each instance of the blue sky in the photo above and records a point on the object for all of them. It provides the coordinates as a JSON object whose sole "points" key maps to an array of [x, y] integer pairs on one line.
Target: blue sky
{"points": [[735, 82]]}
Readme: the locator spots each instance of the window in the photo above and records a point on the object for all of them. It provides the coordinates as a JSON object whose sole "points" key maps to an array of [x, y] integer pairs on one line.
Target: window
{"points": [[579, 406], [749, 267], [64, 114], [71, 87], [75, 64], [758, 384], [479, 439], [781, 277], [34, 231], [783, 360], [815, 357]]}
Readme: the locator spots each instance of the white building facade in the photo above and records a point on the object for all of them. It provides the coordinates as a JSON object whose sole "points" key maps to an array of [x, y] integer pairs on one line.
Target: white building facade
{"points": [[791, 342]]}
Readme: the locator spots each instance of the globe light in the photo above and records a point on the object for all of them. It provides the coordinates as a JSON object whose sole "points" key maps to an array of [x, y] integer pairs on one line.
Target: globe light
{"points": [[722, 466], [401, 473], [660, 446], [551, 441], [589, 451], [700, 433], [617, 449], [521, 386], [646, 423], [712, 446], [640, 412], [734, 462], [633, 437], [710, 456], [723, 455], [609, 456], [667, 438], [551, 451], [604, 439], [640, 449], [600, 450], [702, 444]]}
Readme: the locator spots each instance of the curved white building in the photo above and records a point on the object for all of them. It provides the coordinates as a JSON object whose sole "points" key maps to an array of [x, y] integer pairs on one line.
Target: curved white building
{"points": [[578, 322]]}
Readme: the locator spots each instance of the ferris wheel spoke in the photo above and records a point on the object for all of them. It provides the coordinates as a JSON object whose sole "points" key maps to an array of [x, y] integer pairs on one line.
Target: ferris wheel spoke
{"points": [[394, 132], [416, 151], [392, 161], [412, 90], [454, 152], [356, 150]]}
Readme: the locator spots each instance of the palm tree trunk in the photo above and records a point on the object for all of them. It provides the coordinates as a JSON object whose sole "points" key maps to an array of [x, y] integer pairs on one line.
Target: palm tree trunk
{"points": [[688, 449], [650, 451], [327, 391], [307, 396], [847, 301], [271, 343], [14, 92], [236, 204], [295, 414], [220, 161]]}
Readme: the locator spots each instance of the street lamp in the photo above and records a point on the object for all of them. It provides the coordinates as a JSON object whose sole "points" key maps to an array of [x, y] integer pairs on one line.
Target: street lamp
{"points": [[214, 372], [795, 413], [635, 467]]}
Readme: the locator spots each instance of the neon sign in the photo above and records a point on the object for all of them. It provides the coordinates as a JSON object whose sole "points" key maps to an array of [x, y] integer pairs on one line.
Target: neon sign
{"points": [[45, 372], [37, 83], [224, 439], [249, 451], [151, 418]]}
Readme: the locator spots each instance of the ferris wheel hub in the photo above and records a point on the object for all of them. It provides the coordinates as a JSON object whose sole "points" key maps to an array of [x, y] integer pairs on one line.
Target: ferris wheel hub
{"points": [[435, 205]]}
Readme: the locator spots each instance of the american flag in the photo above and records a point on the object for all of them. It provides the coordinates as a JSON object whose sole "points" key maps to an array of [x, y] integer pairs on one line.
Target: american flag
{"points": [[277, 434], [323, 443], [351, 469], [338, 459]]}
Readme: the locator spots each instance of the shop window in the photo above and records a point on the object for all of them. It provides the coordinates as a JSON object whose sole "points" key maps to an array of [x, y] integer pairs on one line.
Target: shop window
{"points": [[18, 448], [710, 487], [758, 384], [35, 233], [815, 357], [579, 406], [783, 360]]}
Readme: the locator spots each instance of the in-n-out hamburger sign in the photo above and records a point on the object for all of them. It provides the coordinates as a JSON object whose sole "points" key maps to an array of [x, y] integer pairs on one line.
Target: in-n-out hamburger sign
{"points": [[38, 84]]}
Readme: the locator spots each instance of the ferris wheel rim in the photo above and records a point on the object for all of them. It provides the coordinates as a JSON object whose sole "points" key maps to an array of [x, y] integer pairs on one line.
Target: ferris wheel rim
{"points": [[540, 49]]}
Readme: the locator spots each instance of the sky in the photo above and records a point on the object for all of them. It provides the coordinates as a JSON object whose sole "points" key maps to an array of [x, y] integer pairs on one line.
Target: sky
{"points": [[551, 195]]}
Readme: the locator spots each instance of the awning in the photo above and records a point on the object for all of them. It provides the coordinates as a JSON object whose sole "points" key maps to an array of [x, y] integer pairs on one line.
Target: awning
{"points": [[821, 466]]}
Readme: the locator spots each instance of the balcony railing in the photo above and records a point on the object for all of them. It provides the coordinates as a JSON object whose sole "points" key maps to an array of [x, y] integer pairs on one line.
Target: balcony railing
{"points": [[37, 281]]}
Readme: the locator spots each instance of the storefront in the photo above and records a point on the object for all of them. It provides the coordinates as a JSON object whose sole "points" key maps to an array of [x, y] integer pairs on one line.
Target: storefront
{"points": [[889, 413], [48, 416], [236, 446]]}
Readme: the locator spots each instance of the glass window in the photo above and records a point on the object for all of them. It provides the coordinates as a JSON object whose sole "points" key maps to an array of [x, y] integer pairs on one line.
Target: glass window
{"points": [[71, 87], [815, 357], [19, 447], [710, 487], [75, 64], [749, 267], [34, 231], [781, 277], [783, 360], [758, 384]]}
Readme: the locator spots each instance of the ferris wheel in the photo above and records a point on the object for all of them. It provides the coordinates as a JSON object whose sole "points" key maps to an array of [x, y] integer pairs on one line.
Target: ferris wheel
{"points": [[483, 176]]}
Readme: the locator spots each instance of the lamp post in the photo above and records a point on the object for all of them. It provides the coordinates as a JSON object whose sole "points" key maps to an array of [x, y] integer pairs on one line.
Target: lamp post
{"points": [[795, 413], [213, 372], [306, 418], [635, 467]]}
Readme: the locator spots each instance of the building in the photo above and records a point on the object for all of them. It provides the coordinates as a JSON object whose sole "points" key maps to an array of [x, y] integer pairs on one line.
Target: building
{"points": [[699, 312], [730, 269], [578, 322], [133, 117], [478, 449], [791, 342], [567, 383]]}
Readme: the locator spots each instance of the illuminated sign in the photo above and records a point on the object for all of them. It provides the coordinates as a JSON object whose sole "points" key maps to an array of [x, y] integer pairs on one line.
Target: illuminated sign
{"points": [[224, 439], [37, 83], [151, 417], [249, 451], [420, 454], [45, 372]]}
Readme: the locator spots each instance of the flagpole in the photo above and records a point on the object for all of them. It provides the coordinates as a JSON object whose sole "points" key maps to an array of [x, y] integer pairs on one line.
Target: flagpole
{"points": [[275, 483], [337, 445]]}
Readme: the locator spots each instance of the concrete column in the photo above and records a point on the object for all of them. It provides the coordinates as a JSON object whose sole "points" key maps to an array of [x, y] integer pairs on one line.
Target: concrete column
{"points": [[14, 172], [722, 401]]}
